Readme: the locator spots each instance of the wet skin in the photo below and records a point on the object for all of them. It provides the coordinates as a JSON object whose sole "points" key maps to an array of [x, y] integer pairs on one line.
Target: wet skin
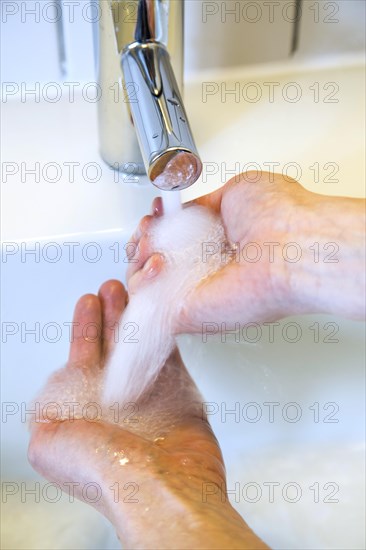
{"points": [[161, 481], [262, 209]]}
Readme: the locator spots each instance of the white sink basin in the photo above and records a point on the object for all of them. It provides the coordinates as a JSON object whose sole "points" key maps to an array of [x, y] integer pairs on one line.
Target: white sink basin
{"points": [[314, 465]]}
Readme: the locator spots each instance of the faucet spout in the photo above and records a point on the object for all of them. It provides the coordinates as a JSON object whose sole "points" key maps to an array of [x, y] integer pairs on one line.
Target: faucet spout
{"points": [[150, 111], [158, 114]]}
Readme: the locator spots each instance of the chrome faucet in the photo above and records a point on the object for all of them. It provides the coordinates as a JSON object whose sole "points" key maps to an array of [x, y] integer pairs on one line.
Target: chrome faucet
{"points": [[143, 125]]}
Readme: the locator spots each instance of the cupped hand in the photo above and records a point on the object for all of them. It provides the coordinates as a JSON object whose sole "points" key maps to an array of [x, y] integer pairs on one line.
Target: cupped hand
{"points": [[259, 215], [164, 455]]}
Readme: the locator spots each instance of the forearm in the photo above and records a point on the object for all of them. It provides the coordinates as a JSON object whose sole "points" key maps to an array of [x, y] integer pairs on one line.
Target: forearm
{"points": [[329, 275]]}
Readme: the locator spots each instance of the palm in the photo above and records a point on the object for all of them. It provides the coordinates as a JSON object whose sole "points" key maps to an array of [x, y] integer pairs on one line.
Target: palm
{"points": [[165, 431]]}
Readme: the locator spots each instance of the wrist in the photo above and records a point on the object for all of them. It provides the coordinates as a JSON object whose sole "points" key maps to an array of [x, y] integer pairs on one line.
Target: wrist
{"points": [[164, 518], [326, 276]]}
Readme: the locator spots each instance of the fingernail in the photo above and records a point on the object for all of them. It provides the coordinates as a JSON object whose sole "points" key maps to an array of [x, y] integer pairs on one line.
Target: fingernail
{"points": [[149, 268], [153, 265], [157, 207]]}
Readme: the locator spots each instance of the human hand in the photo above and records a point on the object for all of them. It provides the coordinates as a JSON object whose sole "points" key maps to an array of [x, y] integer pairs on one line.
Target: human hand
{"points": [[295, 250], [159, 461], [244, 290]]}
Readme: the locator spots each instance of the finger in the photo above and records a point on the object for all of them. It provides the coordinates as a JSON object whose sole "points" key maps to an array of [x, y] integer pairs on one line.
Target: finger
{"points": [[157, 207], [113, 298], [152, 268], [86, 338], [133, 243], [144, 251], [143, 226]]}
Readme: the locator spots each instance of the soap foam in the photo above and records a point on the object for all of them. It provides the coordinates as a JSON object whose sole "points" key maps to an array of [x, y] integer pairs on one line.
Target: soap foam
{"points": [[154, 309], [74, 393]]}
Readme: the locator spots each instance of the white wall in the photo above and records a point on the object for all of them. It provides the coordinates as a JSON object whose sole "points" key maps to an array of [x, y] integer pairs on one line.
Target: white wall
{"points": [[29, 40], [230, 33], [332, 27], [218, 34]]}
